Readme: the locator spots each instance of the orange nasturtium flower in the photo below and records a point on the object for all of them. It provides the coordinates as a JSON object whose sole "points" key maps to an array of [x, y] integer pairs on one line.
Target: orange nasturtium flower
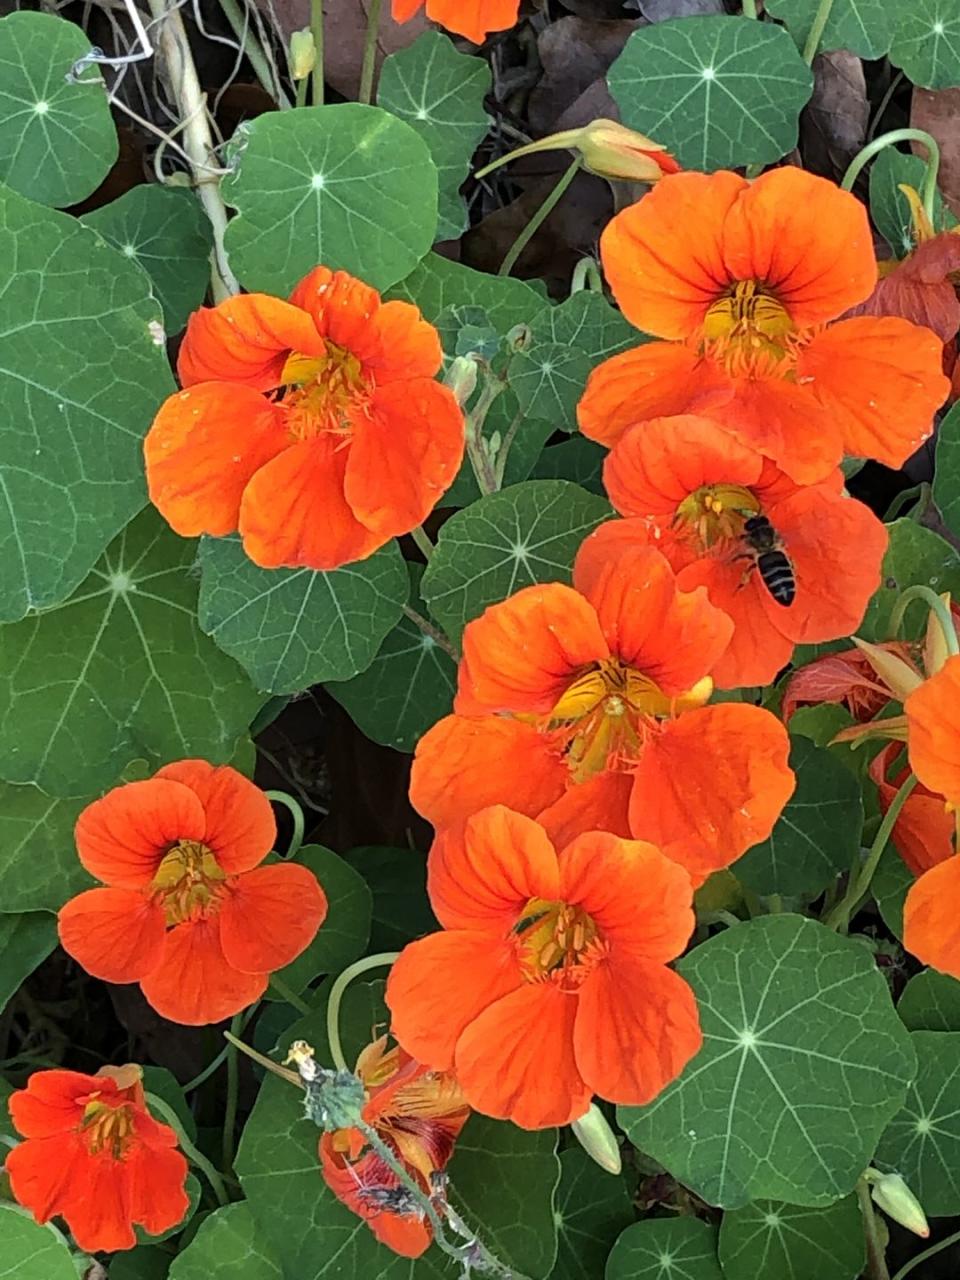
{"points": [[315, 427], [741, 280], [95, 1157], [584, 707], [188, 913], [474, 19], [549, 982], [418, 1113], [691, 488]]}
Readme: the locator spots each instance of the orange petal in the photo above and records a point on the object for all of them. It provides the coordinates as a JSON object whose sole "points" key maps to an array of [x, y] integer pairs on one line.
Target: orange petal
{"points": [[521, 654], [641, 901], [440, 984], [158, 1198], [933, 743], [240, 826], [462, 765], [409, 345], [55, 1175], [294, 512], [404, 456], [925, 831], [601, 803], [343, 309], [52, 1102], [403, 10], [474, 19], [657, 380], [124, 837], [664, 281], [931, 918], [637, 1028], [202, 450], [608, 542], [194, 984], [882, 382], [246, 339], [655, 466], [805, 240], [516, 1061], [115, 934], [711, 784], [846, 677], [269, 915]]}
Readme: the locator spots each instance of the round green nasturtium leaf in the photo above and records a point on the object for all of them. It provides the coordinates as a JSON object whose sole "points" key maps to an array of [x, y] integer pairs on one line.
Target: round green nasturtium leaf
{"points": [[916, 556], [39, 869], [577, 459], [818, 834], [291, 628], [525, 534], [347, 185], [926, 43], [83, 369], [593, 1208], [146, 1262], [407, 688], [864, 27], [889, 208], [32, 1252], [502, 1179], [120, 671], [25, 942], [438, 286], [930, 1002], [946, 476], [715, 90], [164, 230], [922, 1143], [57, 138], [769, 1240], [398, 882], [665, 1249], [803, 1063], [227, 1244], [344, 934], [891, 884], [439, 93]]}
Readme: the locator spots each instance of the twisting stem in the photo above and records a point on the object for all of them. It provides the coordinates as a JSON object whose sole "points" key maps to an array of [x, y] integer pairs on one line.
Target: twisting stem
{"points": [[336, 996], [937, 606], [233, 1092], [483, 468], [929, 192], [839, 917], [428, 629], [876, 1255], [370, 52], [189, 1150], [945, 1243], [174, 48], [538, 219], [299, 824], [820, 20], [316, 28]]}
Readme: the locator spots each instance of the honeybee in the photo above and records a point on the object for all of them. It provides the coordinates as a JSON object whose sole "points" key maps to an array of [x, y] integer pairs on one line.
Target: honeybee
{"points": [[764, 546]]}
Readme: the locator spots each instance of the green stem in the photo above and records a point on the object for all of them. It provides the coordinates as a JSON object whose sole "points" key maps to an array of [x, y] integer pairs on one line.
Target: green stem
{"points": [[316, 28], [189, 1150], [945, 1243], [750, 9], [233, 1095], [287, 993], [370, 52], [428, 629], [929, 597], [302, 92], [892, 87], [538, 219], [862, 157], [586, 275], [500, 467], [336, 996], [299, 825], [214, 1066], [876, 1254], [422, 539], [820, 20], [291, 1077], [839, 917], [483, 468], [253, 50]]}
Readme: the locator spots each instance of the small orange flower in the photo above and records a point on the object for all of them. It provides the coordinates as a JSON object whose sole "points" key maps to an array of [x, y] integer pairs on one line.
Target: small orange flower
{"points": [[550, 980], [474, 19], [692, 488], [189, 913], [314, 427], [584, 707], [418, 1113], [745, 302], [95, 1157]]}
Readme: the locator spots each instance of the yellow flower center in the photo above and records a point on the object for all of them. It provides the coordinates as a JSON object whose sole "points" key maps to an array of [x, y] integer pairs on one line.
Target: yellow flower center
{"points": [[188, 882], [605, 715], [557, 942], [715, 513], [327, 393], [107, 1128], [748, 329]]}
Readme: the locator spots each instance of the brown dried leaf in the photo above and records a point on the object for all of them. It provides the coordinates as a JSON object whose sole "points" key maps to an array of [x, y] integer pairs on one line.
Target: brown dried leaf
{"points": [[938, 112], [919, 288], [833, 126], [575, 53]]}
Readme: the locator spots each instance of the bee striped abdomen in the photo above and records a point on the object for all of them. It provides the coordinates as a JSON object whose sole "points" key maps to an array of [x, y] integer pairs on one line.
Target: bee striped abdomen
{"points": [[778, 577]]}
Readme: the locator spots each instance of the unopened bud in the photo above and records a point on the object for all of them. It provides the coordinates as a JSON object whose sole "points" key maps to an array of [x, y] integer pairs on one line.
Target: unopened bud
{"points": [[899, 676], [894, 1197], [303, 54], [461, 378], [936, 646], [608, 149], [597, 1139]]}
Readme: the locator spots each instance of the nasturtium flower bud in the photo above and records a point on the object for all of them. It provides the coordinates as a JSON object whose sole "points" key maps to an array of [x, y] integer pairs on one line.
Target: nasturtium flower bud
{"points": [[594, 1134], [894, 1197], [303, 54], [608, 149]]}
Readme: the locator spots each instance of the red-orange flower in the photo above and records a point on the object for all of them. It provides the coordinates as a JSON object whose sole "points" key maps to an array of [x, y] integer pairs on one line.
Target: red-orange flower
{"points": [[846, 679], [550, 981], [924, 831], [691, 488], [418, 1113], [474, 19], [314, 427], [95, 1157], [584, 707], [742, 279], [188, 913]]}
